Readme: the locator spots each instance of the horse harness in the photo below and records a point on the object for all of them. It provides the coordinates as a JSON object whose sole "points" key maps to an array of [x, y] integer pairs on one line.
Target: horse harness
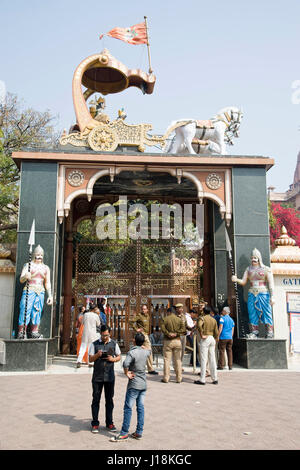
{"points": [[204, 125]]}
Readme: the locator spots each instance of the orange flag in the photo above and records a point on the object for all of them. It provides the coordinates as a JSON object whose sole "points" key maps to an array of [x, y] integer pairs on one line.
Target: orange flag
{"points": [[136, 34]]}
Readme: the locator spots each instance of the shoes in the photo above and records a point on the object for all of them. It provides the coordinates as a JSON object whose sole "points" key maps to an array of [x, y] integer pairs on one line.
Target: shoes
{"points": [[230, 368], [78, 365], [164, 381], [198, 382], [36, 335], [91, 365], [135, 435], [111, 427], [153, 372], [22, 334], [220, 368], [215, 382], [95, 429], [119, 437], [178, 381]]}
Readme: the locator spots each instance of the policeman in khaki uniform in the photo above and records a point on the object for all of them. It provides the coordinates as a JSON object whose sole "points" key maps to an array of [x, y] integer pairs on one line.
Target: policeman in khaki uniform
{"points": [[173, 326], [141, 324], [209, 333]]}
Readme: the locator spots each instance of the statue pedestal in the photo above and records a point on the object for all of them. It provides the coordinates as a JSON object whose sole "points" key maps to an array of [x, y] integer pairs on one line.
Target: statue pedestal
{"points": [[260, 353], [27, 355]]}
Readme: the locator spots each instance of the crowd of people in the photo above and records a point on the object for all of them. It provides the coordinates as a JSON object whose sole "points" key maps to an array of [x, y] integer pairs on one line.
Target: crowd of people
{"points": [[96, 347]]}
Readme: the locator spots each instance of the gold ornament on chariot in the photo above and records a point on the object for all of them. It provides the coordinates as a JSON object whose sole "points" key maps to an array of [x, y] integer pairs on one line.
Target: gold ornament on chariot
{"points": [[103, 138], [103, 59]]}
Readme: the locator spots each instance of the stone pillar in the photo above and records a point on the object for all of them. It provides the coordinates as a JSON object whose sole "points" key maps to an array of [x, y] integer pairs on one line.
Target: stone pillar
{"points": [[37, 201], [207, 274], [250, 226], [220, 258], [7, 285], [67, 289]]}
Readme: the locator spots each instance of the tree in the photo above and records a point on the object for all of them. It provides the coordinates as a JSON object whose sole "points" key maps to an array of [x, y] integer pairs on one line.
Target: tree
{"points": [[287, 216], [20, 128]]}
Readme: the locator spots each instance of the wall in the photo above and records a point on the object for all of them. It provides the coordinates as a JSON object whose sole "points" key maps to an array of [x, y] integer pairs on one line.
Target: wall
{"points": [[7, 285], [282, 285]]}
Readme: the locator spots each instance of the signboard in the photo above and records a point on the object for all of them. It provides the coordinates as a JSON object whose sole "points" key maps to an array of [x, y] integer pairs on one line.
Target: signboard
{"points": [[295, 331], [293, 302]]}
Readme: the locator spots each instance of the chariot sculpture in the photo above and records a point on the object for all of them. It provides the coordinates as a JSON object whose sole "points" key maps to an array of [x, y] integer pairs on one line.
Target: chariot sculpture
{"points": [[102, 73]]}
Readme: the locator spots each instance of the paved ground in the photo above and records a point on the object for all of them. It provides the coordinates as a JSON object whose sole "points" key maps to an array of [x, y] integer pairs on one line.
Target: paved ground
{"points": [[247, 410]]}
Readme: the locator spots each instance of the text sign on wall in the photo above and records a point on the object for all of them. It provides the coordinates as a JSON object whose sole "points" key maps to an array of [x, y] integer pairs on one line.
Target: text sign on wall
{"points": [[288, 281], [295, 332], [293, 302]]}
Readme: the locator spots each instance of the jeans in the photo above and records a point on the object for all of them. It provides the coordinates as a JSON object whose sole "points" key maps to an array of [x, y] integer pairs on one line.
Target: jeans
{"points": [[138, 396], [109, 388]]}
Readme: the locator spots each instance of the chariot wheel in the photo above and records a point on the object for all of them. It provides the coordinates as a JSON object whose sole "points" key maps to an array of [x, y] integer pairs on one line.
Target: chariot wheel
{"points": [[103, 138]]}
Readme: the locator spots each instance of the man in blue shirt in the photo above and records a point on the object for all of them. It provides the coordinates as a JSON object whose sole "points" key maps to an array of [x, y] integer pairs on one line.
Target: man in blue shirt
{"points": [[226, 330]]}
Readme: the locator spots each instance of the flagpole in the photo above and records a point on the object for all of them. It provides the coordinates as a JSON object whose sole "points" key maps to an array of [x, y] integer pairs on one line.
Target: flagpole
{"points": [[148, 45]]}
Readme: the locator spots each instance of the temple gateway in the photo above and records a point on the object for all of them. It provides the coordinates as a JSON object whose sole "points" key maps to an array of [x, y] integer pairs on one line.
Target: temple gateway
{"points": [[90, 205]]}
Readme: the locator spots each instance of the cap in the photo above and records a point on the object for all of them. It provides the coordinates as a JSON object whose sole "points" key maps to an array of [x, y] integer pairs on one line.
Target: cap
{"points": [[178, 305]]}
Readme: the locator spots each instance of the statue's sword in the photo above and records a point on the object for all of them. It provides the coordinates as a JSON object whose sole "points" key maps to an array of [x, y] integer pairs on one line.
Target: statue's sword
{"points": [[31, 242], [229, 251]]}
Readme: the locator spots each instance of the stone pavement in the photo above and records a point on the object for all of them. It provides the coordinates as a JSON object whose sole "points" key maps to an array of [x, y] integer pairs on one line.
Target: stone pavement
{"points": [[247, 410]]}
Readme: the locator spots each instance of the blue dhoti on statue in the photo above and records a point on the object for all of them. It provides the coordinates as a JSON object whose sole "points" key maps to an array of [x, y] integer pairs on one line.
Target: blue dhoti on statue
{"points": [[35, 304], [259, 308]]}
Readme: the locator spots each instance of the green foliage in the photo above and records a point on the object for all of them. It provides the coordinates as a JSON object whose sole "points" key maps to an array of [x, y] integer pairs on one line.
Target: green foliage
{"points": [[20, 128], [287, 217]]}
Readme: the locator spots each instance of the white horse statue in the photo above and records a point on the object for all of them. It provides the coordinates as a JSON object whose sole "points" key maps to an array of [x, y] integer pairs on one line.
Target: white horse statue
{"points": [[194, 137]]}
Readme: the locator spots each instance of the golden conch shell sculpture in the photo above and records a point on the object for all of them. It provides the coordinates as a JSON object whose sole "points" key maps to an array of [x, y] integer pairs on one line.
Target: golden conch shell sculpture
{"points": [[102, 73]]}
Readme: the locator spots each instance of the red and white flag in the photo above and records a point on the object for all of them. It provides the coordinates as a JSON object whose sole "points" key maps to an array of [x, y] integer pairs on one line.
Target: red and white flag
{"points": [[136, 34]]}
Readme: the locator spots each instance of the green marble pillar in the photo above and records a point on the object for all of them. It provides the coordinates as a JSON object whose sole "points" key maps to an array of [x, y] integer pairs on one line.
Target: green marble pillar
{"points": [[250, 226], [38, 192]]}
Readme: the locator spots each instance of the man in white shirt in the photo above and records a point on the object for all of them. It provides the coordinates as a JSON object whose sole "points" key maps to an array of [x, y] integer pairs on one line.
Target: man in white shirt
{"points": [[91, 321]]}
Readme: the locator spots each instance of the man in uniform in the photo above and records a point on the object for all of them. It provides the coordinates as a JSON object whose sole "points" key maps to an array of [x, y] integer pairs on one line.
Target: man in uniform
{"points": [[32, 302], [208, 331], [173, 326], [141, 324]]}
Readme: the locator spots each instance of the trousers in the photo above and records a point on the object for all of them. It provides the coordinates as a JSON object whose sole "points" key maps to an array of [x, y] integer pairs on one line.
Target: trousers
{"points": [[147, 345], [134, 396], [109, 388], [172, 350], [207, 353], [225, 345]]}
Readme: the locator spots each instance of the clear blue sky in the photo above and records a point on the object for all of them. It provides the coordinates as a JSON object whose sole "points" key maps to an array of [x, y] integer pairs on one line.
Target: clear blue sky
{"points": [[205, 55]]}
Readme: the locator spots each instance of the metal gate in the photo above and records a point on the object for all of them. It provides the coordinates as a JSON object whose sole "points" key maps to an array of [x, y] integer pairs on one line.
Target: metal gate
{"points": [[131, 274]]}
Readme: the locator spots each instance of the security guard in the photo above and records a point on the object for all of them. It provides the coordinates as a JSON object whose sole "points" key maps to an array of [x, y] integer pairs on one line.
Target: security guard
{"points": [[173, 326], [208, 331], [141, 324]]}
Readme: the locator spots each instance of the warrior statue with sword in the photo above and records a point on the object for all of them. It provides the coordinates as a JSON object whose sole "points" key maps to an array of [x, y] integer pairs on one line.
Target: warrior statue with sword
{"points": [[36, 275]]}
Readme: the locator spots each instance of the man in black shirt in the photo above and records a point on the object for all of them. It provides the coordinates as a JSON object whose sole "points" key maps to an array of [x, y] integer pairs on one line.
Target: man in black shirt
{"points": [[104, 352]]}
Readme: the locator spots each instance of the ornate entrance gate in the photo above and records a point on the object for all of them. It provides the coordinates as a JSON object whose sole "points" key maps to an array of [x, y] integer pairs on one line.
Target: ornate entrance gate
{"points": [[130, 274]]}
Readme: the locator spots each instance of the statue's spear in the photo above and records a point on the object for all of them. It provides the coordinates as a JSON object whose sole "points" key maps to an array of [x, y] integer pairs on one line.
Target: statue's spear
{"points": [[229, 251], [31, 242]]}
